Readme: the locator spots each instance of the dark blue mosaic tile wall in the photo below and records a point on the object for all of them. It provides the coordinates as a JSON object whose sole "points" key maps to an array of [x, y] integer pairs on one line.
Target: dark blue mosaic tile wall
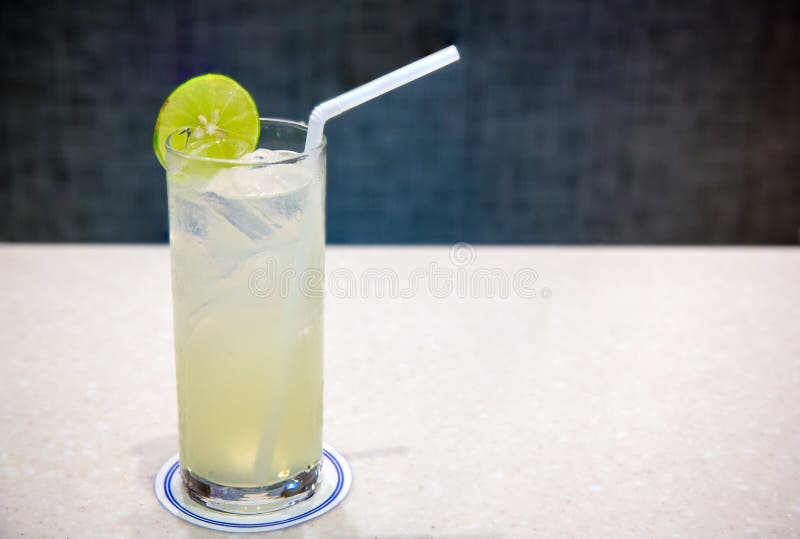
{"points": [[567, 121]]}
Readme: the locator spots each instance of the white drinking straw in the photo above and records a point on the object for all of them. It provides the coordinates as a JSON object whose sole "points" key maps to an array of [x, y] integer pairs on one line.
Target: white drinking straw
{"points": [[348, 100]]}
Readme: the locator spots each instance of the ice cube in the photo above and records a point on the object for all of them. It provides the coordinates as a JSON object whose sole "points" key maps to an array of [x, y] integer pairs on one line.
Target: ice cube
{"points": [[276, 177], [240, 214], [189, 217], [264, 203]]}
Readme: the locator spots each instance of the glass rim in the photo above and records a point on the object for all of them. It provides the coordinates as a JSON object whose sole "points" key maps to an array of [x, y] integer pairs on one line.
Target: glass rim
{"points": [[241, 162]]}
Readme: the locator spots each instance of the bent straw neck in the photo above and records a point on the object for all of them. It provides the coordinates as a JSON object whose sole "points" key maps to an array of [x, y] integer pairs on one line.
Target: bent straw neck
{"points": [[355, 97]]}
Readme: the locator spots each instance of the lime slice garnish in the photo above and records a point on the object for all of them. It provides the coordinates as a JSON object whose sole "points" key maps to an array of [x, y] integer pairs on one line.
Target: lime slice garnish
{"points": [[210, 116]]}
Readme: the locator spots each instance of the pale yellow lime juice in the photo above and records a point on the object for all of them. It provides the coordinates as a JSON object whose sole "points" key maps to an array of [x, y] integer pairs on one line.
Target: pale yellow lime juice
{"points": [[247, 246]]}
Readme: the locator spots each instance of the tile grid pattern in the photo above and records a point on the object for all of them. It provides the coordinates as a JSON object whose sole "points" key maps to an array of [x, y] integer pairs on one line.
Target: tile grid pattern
{"points": [[572, 121]]}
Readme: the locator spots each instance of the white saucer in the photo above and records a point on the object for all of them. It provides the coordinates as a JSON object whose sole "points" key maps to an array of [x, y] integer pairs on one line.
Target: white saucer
{"points": [[333, 488]]}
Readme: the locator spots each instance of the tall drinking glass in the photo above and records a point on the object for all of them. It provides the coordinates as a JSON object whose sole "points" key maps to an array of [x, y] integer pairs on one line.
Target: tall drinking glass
{"points": [[247, 245]]}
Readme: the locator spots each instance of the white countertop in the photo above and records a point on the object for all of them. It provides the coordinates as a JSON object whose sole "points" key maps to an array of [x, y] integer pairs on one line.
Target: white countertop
{"points": [[655, 393]]}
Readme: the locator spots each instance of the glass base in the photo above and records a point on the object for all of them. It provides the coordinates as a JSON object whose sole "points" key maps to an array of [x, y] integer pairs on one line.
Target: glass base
{"points": [[252, 500]]}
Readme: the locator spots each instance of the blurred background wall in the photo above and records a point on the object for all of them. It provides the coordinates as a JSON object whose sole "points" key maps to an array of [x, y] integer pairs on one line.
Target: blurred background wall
{"points": [[567, 121]]}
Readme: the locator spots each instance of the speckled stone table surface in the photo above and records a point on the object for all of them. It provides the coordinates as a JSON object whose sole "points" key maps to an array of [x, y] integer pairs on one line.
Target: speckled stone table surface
{"points": [[613, 392]]}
